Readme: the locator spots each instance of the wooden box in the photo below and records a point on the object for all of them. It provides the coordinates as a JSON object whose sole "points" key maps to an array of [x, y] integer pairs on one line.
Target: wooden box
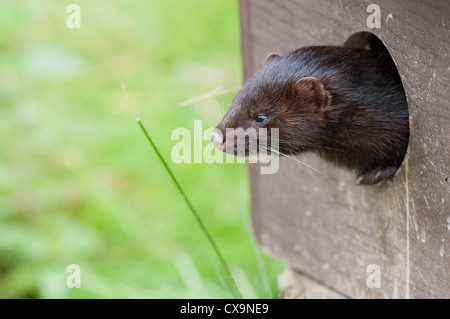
{"points": [[327, 228]]}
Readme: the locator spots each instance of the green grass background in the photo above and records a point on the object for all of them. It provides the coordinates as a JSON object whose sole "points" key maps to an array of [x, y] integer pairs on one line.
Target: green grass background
{"points": [[79, 184]]}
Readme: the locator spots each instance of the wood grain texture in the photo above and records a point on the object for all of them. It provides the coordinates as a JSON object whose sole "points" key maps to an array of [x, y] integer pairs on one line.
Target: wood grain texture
{"points": [[327, 227]]}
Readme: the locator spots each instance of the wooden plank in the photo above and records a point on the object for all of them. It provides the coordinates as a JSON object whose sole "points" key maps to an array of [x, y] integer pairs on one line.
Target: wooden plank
{"points": [[329, 228]]}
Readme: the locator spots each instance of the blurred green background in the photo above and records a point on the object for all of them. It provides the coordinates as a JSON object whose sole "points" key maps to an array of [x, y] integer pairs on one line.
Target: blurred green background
{"points": [[79, 184]]}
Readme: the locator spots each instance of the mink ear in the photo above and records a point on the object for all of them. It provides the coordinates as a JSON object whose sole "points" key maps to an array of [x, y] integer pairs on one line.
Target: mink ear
{"points": [[312, 91], [272, 57]]}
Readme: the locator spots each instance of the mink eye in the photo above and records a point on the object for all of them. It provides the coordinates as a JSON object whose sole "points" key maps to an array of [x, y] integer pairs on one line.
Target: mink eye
{"points": [[260, 118]]}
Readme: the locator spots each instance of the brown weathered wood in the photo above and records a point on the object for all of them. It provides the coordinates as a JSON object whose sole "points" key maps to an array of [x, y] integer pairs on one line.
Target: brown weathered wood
{"points": [[329, 228]]}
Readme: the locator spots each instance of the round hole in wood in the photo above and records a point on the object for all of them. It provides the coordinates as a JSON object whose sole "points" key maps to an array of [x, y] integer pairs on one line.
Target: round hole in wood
{"points": [[369, 41]]}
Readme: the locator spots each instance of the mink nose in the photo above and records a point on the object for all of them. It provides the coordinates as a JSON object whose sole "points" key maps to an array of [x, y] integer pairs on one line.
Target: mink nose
{"points": [[217, 138]]}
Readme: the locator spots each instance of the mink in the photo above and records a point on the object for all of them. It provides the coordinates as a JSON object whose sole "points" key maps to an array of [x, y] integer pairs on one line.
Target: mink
{"points": [[345, 104]]}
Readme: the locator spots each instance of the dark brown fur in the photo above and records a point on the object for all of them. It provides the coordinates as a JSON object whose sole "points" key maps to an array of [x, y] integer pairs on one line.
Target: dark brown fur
{"points": [[346, 104]]}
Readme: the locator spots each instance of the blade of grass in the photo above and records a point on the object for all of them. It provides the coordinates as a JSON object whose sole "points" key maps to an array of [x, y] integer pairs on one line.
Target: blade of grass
{"points": [[219, 274], [231, 283], [248, 292], [229, 278]]}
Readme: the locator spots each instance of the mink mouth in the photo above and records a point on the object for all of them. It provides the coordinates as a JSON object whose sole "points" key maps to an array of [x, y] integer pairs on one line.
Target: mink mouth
{"points": [[247, 145], [247, 153]]}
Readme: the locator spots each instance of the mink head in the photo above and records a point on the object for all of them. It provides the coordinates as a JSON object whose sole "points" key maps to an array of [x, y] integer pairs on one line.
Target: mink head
{"points": [[274, 98]]}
